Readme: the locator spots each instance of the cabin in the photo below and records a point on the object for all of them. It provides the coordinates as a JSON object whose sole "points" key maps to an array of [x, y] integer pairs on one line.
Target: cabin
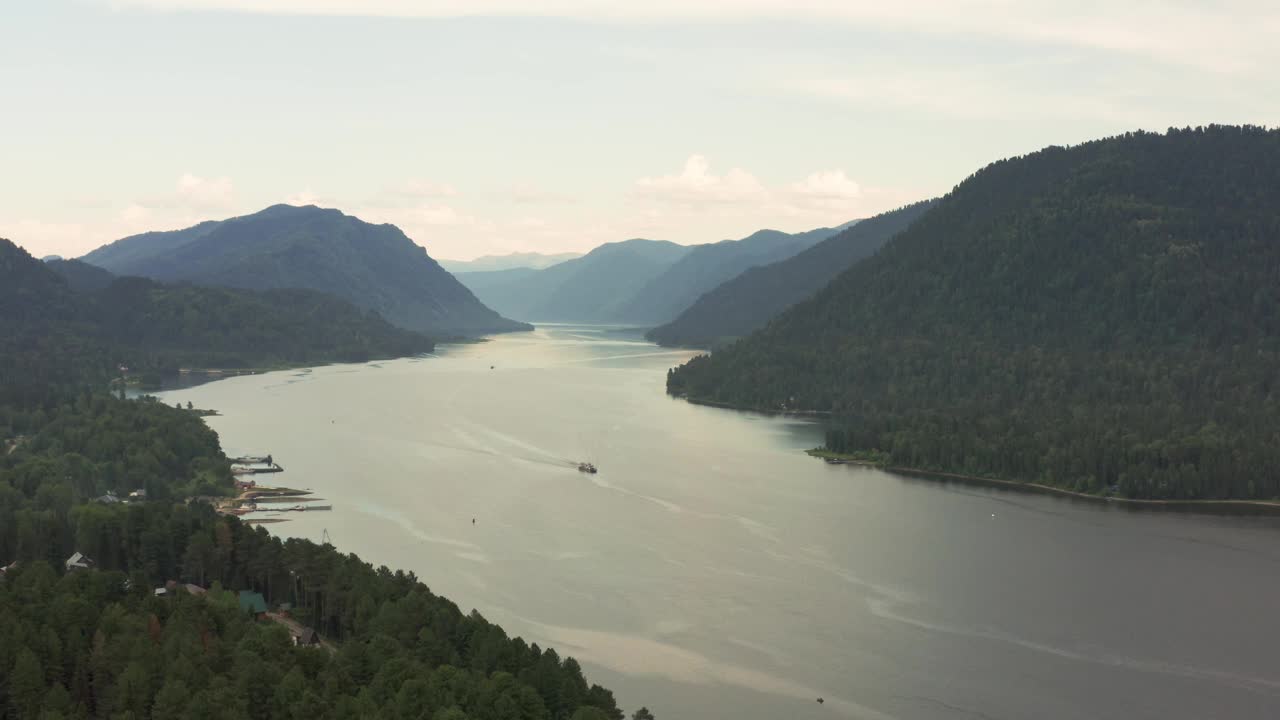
{"points": [[305, 637], [4, 571], [108, 499], [138, 495], [302, 635], [78, 561], [253, 603]]}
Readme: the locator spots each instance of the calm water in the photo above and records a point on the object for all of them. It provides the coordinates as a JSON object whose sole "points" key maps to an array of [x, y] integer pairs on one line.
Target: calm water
{"points": [[712, 570]]}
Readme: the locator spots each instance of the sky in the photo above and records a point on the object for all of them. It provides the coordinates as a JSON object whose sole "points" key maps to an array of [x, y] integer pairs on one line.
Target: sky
{"points": [[496, 126]]}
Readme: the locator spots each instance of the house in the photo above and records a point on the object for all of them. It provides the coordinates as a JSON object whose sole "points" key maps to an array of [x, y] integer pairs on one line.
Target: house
{"points": [[305, 637], [253, 603], [138, 495], [78, 561], [161, 592], [4, 571], [108, 499], [302, 635]]}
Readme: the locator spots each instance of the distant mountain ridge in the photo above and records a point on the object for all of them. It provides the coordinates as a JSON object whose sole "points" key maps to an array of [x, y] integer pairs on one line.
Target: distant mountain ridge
{"points": [[745, 303], [588, 289], [638, 282], [511, 261], [376, 267], [705, 267]]}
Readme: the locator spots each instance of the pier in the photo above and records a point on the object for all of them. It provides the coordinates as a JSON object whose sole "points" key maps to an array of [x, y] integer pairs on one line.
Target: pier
{"points": [[252, 460], [253, 498]]}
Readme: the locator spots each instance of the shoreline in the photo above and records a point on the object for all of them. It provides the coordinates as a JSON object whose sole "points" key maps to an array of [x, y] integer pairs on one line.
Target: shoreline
{"points": [[739, 408], [837, 459]]}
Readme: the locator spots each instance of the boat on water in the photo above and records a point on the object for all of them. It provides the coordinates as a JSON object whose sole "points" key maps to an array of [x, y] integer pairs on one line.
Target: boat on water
{"points": [[587, 467]]}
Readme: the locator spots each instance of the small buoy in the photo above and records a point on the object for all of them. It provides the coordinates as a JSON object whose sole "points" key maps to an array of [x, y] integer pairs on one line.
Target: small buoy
{"points": [[473, 521], [821, 701], [993, 514]]}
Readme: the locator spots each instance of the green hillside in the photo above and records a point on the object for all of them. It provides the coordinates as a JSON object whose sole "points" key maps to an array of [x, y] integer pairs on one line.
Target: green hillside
{"points": [[1103, 317], [51, 335]]}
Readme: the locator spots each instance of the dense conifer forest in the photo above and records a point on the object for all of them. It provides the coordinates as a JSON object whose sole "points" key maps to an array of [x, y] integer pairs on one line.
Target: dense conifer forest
{"points": [[1103, 318], [93, 639]]}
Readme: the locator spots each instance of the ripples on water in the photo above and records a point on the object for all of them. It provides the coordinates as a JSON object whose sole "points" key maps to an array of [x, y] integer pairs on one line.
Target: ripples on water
{"points": [[711, 569]]}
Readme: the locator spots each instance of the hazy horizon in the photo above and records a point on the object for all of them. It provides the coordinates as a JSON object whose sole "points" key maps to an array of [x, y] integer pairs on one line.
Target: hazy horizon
{"points": [[488, 128]]}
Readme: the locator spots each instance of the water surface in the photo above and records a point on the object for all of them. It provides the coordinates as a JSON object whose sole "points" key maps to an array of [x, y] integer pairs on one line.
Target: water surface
{"points": [[712, 570]]}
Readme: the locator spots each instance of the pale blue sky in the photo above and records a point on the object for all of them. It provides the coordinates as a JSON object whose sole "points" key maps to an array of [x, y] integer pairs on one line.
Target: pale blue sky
{"points": [[585, 123]]}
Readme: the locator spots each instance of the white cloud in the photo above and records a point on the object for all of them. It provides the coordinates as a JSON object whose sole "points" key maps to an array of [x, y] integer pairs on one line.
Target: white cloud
{"points": [[696, 185], [198, 192], [1226, 35], [824, 196], [304, 197], [192, 200]]}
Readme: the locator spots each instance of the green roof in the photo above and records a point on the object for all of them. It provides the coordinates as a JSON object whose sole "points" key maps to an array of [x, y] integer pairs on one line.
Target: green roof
{"points": [[252, 602]]}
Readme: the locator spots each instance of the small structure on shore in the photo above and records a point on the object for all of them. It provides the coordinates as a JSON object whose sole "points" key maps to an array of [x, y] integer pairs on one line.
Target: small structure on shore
{"points": [[78, 561]]}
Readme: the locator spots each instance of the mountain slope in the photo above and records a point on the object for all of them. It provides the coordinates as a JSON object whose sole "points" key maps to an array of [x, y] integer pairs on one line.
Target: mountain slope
{"points": [[373, 266], [1103, 318], [707, 266], [490, 263], [51, 334], [588, 289], [81, 276], [746, 302]]}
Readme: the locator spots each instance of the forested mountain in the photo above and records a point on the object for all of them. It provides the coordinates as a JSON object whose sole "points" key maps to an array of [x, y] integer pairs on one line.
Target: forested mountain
{"points": [[100, 642], [633, 282], [376, 267], [746, 302], [51, 335], [81, 276], [588, 289], [1104, 317], [706, 266], [490, 263]]}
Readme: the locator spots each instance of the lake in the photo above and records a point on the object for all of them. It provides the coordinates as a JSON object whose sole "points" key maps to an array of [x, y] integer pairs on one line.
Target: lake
{"points": [[712, 570]]}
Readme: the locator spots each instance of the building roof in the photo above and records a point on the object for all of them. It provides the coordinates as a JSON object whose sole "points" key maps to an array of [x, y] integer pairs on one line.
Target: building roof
{"points": [[252, 602], [78, 560]]}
